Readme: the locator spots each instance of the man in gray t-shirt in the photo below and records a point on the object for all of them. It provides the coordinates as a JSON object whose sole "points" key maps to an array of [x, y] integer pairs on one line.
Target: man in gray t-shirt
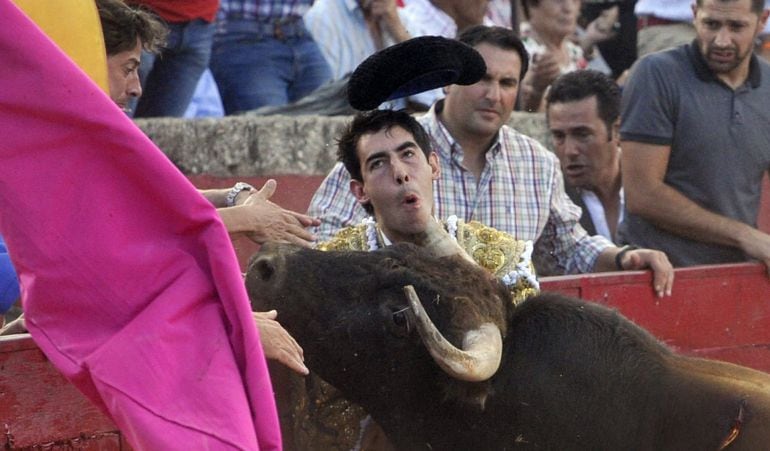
{"points": [[695, 135]]}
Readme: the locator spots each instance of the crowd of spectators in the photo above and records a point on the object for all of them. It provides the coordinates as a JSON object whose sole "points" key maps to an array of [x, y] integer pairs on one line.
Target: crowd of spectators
{"points": [[226, 57]]}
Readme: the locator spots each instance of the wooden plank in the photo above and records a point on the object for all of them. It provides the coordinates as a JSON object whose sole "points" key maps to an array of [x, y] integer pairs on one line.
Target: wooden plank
{"points": [[40, 408], [724, 307]]}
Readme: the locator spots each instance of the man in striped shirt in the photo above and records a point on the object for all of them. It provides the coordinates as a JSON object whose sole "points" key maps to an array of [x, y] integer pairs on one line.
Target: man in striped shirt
{"points": [[492, 174]]}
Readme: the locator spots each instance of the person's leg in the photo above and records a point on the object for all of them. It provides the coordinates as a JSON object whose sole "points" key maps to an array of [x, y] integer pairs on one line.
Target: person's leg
{"points": [[312, 69], [251, 71], [171, 82]]}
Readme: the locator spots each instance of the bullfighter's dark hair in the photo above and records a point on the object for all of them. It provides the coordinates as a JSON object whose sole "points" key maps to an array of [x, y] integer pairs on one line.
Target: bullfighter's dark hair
{"points": [[501, 37], [583, 84], [757, 6], [373, 122], [123, 25]]}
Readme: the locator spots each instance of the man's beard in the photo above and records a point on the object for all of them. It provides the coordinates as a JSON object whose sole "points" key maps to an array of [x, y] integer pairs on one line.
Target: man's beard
{"points": [[722, 66]]}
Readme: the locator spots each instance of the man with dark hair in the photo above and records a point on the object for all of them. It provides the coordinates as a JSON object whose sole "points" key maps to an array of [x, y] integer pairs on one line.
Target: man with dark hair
{"points": [[170, 78], [695, 135], [583, 115], [494, 175], [127, 31]]}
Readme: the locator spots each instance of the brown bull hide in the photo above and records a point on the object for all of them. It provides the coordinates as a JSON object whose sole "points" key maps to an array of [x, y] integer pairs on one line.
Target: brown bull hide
{"points": [[574, 375]]}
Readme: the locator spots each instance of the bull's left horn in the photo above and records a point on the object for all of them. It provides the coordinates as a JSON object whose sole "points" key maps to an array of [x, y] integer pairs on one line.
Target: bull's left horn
{"points": [[482, 348]]}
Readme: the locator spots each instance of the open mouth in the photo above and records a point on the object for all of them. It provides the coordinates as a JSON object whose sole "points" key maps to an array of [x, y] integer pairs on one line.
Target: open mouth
{"points": [[575, 167], [411, 199]]}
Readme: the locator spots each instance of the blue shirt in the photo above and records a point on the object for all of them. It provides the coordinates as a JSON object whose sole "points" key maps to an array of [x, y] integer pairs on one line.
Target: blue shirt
{"points": [[9, 283]]}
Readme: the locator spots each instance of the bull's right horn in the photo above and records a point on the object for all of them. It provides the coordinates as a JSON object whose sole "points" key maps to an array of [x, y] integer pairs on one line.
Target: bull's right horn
{"points": [[482, 348]]}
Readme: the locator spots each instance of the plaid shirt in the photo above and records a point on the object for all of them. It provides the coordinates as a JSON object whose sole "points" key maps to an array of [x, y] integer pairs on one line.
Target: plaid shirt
{"points": [[521, 192], [261, 10]]}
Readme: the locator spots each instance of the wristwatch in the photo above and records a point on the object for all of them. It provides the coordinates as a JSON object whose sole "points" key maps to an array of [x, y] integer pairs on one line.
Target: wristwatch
{"points": [[234, 191]]}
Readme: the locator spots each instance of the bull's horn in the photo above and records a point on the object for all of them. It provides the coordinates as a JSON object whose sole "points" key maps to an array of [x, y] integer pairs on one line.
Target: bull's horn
{"points": [[482, 348]]}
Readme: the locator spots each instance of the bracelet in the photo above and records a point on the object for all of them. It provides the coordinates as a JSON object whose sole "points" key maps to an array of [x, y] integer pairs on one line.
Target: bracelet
{"points": [[619, 255], [234, 191]]}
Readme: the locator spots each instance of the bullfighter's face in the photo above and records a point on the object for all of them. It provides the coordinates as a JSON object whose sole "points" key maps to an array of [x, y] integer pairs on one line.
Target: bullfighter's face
{"points": [[123, 75], [397, 182]]}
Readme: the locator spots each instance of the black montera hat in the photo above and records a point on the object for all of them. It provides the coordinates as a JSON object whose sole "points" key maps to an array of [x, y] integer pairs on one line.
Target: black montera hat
{"points": [[413, 66]]}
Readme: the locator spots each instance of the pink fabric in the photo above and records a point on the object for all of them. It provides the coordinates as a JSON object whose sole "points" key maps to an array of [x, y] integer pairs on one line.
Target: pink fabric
{"points": [[131, 286]]}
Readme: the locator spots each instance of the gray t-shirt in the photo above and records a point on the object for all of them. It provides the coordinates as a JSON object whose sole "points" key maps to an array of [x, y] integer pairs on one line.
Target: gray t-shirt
{"points": [[719, 138]]}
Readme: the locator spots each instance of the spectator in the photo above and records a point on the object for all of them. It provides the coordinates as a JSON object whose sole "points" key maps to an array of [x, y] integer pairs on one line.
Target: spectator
{"points": [[501, 13], [619, 51], [264, 55], [348, 31], [494, 175], [583, 114], [443, 17], [662, 24], [694, 135], [127, 31], [253, 216], [169, 81], [763, 42], [548, 40]]}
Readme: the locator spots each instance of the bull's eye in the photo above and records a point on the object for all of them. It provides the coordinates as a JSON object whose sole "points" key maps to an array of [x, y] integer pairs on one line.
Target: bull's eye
{"points": [[401, 320], [265, 269]]}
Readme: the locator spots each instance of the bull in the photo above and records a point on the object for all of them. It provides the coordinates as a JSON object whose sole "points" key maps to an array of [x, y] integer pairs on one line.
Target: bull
{"points": [[449, 363]]}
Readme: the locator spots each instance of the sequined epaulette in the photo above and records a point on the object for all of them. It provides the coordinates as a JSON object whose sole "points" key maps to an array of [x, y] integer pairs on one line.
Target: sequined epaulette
{"points": [[351, 238], [498, 252]]}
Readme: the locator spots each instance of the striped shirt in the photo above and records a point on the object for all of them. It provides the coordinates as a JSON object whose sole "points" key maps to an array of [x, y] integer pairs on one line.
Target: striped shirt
{"points": [[261, 10], [339, 28], [521, 192]]}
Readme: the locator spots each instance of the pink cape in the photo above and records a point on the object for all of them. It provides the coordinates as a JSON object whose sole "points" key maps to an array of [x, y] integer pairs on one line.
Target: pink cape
{"points": [[131, 285]]}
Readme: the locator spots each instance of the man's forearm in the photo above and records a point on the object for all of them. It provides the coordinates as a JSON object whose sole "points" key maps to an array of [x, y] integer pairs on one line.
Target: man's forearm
{"points": [[670, 210]]}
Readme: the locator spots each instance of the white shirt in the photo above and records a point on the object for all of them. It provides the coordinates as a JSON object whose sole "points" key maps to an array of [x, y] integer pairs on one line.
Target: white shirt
{"points": [[339, 29], [678, 10], [596, 211]]}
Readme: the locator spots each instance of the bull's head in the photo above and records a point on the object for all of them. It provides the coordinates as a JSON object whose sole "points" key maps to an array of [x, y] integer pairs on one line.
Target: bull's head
{"points": [[350, 311]]}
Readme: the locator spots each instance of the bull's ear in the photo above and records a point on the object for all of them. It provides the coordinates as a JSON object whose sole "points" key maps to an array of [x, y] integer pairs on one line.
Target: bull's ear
{"points": [[357, 188]]}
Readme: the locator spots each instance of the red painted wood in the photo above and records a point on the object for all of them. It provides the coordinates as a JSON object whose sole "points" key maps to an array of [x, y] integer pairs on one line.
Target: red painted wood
{"points": [[39, 408], [716, 311]]}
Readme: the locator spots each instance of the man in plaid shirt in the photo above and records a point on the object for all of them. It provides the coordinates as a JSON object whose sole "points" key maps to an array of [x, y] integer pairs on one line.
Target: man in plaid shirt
{"points": [[492, 174]]}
